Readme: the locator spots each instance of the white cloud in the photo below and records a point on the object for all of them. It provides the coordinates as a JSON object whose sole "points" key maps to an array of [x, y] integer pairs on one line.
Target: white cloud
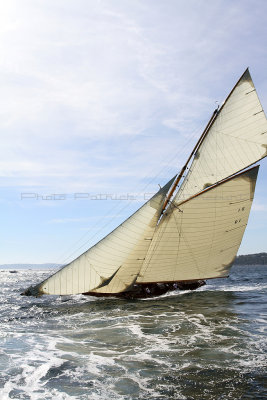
{"points": [[113, 94], [114, 69]]}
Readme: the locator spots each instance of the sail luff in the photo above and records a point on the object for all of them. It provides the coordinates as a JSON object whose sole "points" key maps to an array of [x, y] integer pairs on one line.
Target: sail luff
{"points": [[200, 239], [200, 231], [117, 257], [235, 140], [197, 145], [213, 186]]}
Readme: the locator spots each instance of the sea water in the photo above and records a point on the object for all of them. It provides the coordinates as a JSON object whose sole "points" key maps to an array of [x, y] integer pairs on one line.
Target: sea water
{"points": [[206, 344]]}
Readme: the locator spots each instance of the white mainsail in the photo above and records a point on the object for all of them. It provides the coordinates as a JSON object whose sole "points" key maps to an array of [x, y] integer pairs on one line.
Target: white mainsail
{"points": [[200, 238], [196, 235], [113, 263], [236, 139]]}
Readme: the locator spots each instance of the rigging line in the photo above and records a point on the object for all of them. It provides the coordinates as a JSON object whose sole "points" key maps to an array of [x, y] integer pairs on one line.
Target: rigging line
{"points": [[174, 205], [195, 149], [181, 150], [242, 139], [115, 230], [256, 153], [191, 252], [245, 126], [120, 210], [213, 229], [253, 102], [154, 246], [101, 229], [202, 138], [166, 225], [221, 108], [179, 229], [241, 117], [155, 176]]}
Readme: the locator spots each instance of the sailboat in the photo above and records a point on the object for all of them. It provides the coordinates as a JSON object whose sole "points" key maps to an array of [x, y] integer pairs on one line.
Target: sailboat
{"points": [[191, 229]]}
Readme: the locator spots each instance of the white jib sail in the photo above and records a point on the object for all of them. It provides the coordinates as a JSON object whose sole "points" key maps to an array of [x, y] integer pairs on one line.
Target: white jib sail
{"points": [[113, 263], [236, 139], [201, 238]]}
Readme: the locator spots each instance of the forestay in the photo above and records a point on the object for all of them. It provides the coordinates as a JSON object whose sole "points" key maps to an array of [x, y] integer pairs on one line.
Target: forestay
{"points": [[198, 235], [114, 262], [200, 239], [236, 139]]}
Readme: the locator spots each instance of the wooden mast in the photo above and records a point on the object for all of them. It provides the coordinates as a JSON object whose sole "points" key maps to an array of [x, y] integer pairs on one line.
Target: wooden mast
{"points": [[199, 142]]}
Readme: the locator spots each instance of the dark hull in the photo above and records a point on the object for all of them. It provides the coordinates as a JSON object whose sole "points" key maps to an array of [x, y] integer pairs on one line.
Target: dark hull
{"points": [[143, 291]]}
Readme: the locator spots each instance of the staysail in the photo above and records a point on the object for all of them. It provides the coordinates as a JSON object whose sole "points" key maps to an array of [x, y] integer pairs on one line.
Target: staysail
{"points": [[199, 238], [236, 139], [194, 236], [113, 263]]}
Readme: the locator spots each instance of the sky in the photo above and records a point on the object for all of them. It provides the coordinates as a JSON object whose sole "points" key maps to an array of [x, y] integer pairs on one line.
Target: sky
{"points": [[101, 101]]}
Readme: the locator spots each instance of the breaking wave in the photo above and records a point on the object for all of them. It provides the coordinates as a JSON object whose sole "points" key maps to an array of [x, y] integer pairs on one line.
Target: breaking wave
{"points": [[206, 344]]}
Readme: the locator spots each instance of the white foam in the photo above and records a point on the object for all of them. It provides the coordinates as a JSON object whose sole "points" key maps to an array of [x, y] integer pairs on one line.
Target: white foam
{"points": [[166, 339]]}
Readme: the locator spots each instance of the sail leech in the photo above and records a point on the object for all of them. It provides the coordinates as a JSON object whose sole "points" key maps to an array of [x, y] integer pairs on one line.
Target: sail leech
{"points": [[190, 234]]}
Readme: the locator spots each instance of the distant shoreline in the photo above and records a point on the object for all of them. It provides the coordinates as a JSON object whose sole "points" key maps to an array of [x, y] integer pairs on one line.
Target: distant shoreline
{"points": [[248, 259], [251, 259]]}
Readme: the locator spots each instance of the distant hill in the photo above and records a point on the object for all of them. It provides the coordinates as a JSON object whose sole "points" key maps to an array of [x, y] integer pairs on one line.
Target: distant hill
{"points": [[251, 259]]}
